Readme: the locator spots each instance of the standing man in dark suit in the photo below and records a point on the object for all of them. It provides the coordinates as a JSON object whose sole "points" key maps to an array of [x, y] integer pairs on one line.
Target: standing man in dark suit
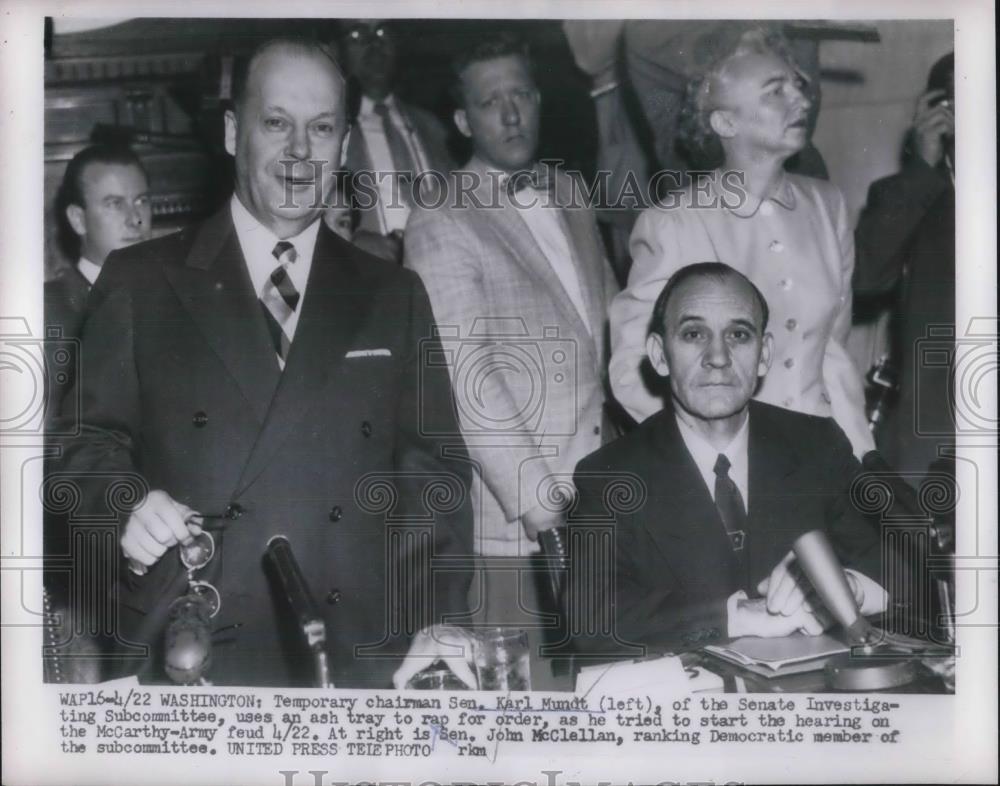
{"points": [[391, 141], [724, 485], [259, 368], [103, 204], [905, 243]]}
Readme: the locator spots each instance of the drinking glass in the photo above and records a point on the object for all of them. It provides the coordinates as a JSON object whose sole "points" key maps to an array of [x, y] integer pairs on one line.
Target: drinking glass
{"points": [[501, 657]]}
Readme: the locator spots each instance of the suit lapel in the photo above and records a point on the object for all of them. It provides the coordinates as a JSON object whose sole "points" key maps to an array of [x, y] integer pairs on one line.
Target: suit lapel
{"points": [[512, 230], [333, 309], [692, 515], [579, 224], [215, 288]]}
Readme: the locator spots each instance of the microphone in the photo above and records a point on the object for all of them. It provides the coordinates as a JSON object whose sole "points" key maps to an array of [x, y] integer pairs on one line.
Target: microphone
{"points": [[188, 640], [278, 556], [816, 558]]}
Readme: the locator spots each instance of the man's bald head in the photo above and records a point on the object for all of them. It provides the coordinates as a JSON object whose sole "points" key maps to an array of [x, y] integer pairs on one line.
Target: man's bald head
{"points": [[277, 47]]}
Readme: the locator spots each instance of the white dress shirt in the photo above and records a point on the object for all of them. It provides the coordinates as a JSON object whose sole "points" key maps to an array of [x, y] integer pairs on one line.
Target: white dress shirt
{"points": [[257, 242], [88, 270], [705, 456], [549, 231], [395, 211]]}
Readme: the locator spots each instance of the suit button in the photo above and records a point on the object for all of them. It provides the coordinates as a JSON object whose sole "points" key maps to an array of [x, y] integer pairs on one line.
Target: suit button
{"points": [[234, 511], [333, 597], [366, 428], [336, 513], [199, 419]]}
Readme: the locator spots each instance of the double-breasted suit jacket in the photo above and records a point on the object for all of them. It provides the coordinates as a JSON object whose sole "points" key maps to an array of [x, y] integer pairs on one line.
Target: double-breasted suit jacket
{"points": [[673, 567], [181, 386], [528, 367]]}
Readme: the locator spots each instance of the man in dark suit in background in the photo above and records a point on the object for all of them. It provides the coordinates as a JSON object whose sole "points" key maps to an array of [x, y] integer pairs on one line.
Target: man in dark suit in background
{"points": [[905, 243], [259, 369], [103, 204], [728, 485], [391, 141]]}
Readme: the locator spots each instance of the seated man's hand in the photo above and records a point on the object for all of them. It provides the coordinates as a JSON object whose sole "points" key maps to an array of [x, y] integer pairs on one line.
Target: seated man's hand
{"points": [[153, 527], [450, 644], [752, 618], [786, 588]]}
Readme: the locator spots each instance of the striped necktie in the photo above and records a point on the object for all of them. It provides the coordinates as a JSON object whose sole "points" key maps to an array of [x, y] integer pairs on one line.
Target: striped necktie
{"points": [[280, 299]]}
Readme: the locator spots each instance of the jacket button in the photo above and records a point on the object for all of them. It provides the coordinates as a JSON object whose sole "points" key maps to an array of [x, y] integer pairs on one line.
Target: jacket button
{"points": [[333, 597], [199, 419], [336, 513], [366, 428], [234, 511]]}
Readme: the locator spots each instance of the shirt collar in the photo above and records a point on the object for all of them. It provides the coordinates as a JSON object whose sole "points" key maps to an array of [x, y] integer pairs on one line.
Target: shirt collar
{"points": [[705, 454], [88, 270], [367, 108], [257, 242], [783, 194]]}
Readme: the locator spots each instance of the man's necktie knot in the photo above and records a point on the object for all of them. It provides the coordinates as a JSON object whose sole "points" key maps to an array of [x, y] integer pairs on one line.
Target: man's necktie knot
{"points": [[528, 178], [284, 249], [722, 466]]}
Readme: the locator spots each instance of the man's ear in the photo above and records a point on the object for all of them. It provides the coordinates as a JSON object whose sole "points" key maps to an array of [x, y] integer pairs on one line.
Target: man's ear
{"points": [[231, 128], [462, 123], [722, 123], [657, 357], [766, 350], [74, 214]]}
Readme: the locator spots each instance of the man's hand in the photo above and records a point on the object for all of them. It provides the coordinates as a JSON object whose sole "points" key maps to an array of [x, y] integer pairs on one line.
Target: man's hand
{"points": [[752, 618], [157, 524], [932, 122], [540, 519], [786, 588], [447, 643]]}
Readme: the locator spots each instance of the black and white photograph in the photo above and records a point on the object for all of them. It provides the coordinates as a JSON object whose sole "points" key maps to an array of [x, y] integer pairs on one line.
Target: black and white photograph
{"points": [[554, 394]]}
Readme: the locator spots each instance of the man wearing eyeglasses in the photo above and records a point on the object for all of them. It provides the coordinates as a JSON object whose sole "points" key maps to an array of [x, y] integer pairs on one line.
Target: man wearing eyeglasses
{"points": [[259, 374], [391, 142]]}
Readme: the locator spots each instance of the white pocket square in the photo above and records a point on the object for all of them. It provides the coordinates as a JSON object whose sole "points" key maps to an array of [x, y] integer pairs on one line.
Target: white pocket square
{"points": [[369, 353]]}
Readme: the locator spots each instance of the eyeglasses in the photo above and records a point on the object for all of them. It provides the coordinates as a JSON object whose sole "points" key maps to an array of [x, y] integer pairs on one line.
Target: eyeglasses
{"points": [[194, 555]]}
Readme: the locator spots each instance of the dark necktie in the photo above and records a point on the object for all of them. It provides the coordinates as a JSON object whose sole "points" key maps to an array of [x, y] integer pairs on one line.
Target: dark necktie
{"points": [[280, 299], [733, 513], [402, 159], [729, 501]]}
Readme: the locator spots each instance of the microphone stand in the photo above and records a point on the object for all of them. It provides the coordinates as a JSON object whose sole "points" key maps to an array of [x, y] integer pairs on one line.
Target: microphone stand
{"points": [[278, 555]]}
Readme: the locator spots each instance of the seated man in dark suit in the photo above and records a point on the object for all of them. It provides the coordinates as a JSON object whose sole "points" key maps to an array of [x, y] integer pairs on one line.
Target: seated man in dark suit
{"points": [[692, 563]]}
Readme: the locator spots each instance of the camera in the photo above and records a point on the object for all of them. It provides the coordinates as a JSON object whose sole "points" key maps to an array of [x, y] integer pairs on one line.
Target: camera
{"points": [[32, 370], [504, 379], [967, 367]]}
